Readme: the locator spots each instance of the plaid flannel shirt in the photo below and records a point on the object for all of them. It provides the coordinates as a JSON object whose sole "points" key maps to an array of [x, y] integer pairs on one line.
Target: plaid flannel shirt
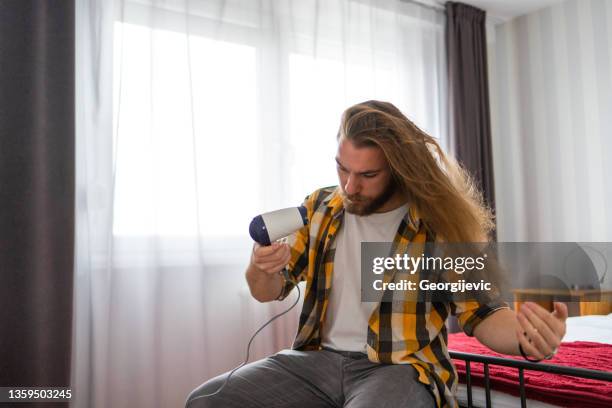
{"points": [[398, 332]]}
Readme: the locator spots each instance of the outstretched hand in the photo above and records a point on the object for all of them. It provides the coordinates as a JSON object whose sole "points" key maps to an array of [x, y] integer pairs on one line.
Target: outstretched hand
{"points": [[539, 331]]}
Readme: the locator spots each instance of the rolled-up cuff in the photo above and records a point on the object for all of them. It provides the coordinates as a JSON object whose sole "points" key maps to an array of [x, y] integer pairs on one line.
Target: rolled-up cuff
{"points": [[478, 315], [288, 285]]}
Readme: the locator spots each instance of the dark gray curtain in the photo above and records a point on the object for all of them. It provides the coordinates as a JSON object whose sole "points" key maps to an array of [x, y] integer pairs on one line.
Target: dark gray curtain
{"points": [[469, 93], [36, 191]]}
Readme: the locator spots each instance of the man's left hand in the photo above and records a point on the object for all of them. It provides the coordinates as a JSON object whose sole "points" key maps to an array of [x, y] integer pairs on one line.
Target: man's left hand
{"points": [[539, 331]]}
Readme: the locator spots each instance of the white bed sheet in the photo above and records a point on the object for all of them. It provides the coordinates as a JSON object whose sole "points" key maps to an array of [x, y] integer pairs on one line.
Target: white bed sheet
{"points": [[589, 328], [580, 328]]}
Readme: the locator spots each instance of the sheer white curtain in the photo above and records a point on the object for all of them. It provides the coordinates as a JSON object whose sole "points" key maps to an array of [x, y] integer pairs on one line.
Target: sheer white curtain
{"points": [[194, 116]]}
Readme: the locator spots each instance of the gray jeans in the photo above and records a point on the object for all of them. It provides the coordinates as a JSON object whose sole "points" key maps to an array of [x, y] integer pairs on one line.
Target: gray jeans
{"points": [[315, 379]]}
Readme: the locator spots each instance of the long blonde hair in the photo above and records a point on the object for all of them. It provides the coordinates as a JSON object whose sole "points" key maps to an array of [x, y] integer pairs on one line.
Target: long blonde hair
{"points": [[443, 193]]}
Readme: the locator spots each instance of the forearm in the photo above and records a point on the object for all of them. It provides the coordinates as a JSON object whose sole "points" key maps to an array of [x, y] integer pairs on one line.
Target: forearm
{"points": [[498, 332], [264, 287]]}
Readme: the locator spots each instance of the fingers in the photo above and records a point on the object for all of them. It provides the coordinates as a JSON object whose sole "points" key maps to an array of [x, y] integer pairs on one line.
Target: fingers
{"points": [[554, 323], [269, 253], [526, 344], [543, 321], [267, 250], [272, 258], [274, 267], [536, 324], [560, 311], [539, 331]]}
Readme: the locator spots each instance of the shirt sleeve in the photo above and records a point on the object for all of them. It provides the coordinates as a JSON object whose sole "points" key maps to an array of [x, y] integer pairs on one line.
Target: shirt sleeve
{"points": [[471, 313], [473, 307], [296, 269]]}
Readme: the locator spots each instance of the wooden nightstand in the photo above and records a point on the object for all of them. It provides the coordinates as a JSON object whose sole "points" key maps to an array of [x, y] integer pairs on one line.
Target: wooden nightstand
{"points": [[591, 301]]}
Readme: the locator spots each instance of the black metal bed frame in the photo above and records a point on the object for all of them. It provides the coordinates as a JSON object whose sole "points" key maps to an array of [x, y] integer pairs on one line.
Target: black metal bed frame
{"points": [[521, 366]]}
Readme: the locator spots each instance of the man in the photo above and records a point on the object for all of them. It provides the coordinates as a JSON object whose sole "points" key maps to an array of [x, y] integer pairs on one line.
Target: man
{"points": [[395, 185]]}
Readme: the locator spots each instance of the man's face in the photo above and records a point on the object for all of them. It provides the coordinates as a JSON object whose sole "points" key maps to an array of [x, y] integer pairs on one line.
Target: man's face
{"points": [[365, 178]]}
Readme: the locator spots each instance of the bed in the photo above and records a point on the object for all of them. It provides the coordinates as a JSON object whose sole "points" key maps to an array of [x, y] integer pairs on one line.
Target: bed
{"points": [[578, 376]]}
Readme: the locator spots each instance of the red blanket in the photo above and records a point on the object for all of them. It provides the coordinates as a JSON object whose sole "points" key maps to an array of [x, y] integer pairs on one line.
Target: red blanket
{"points": [[565, 391]]}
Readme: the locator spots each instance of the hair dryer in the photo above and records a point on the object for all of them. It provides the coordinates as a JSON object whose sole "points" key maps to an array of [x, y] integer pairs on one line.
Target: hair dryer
{"points": [[267, 228]]}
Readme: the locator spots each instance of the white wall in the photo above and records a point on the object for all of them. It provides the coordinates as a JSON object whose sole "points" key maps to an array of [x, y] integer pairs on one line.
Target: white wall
{"points": [[550, 75]]}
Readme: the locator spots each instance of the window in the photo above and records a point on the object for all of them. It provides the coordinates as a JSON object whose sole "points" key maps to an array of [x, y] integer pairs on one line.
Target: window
{"points": [[241, 116]]}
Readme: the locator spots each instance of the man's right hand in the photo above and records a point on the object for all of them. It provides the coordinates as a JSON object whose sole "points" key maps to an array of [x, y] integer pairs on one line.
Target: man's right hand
{"points": [[270, 259], [262, 275]]}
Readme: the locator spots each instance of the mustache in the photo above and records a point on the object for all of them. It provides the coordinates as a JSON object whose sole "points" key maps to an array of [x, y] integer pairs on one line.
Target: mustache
{"points": [[355, 197]]}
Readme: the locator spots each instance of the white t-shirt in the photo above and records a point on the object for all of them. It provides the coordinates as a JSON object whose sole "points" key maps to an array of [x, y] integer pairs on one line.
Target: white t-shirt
{"points": [[346, 320]]}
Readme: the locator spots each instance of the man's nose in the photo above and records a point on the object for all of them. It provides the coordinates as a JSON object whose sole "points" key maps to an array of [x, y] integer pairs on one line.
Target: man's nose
{"points": [[351, 186]]}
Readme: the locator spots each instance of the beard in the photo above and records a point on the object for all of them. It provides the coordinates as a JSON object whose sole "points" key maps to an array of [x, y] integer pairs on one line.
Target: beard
{"points": [[361, 205]]}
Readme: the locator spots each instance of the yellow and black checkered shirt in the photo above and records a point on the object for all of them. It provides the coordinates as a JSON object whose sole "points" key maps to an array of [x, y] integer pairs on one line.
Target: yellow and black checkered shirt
{"points": [[406, 333]]}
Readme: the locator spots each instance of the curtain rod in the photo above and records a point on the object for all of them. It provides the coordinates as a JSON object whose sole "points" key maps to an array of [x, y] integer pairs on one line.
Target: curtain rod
{"points": [[433, 5]]}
